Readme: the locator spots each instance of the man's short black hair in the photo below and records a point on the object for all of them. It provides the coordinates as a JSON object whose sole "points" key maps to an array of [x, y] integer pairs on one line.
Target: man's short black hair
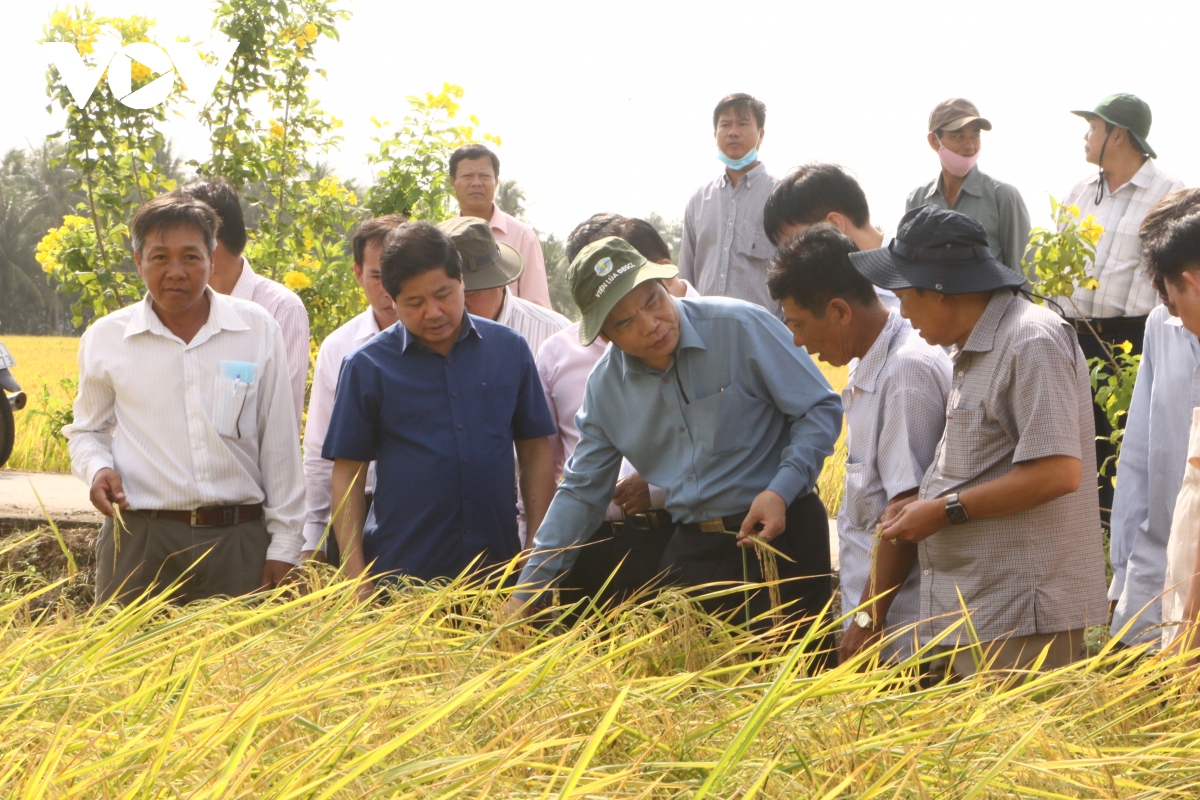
{"points": [[815, 267], [412, 249], [173, 210], [372, 231], [1171, 236], [644, 238], [472, 151], [220, 195], [590, 230], [743, 105], [809, 194]]}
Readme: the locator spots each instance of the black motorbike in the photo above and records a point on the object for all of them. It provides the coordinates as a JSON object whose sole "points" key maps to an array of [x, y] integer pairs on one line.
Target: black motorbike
{"points": [[14, 400]]}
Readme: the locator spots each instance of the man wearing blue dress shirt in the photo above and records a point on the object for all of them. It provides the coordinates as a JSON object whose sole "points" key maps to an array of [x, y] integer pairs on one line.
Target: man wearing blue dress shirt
{"points": [[438, 402], [709, 399]]}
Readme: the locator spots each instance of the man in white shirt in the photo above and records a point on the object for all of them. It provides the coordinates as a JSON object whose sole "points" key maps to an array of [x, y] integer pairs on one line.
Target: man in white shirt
{"points": [[1153, 449], [1127, 186], [474, 173], [489, 270], [895, 403], [183, 419], [366, 244], [232, 275], [823, 193]]}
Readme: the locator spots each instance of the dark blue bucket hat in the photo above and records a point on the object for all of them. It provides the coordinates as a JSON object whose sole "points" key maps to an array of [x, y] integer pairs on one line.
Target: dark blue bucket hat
{"points": [[939, 250]]}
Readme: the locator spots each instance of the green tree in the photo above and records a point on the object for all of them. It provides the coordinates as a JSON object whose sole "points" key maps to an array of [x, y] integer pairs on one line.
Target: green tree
{"points": [[670, 230]]}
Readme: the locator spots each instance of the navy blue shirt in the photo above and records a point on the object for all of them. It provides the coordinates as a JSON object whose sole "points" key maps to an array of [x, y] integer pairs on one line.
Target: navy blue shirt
{"points": [[441, 431]]}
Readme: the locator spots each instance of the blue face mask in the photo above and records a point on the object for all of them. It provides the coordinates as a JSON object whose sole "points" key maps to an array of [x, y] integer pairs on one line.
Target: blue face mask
{"points": [[740, 163]]}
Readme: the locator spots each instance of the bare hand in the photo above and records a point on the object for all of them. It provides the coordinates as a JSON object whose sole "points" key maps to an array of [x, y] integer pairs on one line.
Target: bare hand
{"points": [[106, 490], [769, 510], [366, 590], [516, 608], [857, 639], [276, 573], [632, 495], [317, 556], [896, 505], [916, 521]]}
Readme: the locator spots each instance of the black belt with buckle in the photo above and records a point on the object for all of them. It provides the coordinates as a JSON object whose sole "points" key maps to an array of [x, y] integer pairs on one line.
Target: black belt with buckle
{"points": [[653, 520], [1109, 324]]}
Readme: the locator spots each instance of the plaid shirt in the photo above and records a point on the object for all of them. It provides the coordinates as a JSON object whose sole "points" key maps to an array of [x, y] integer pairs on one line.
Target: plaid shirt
{"points": [[1019, 392], [1125, 289], [895, 405]]}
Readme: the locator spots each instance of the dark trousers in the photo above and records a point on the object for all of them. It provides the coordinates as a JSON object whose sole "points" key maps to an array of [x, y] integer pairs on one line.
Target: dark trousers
{"points": [[1104, 449], [695, 558], [627, 555], [156, 552]]}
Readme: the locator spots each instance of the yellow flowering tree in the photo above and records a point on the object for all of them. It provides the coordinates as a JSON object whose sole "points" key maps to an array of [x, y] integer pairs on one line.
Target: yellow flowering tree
{"points": [[110, 147], [1060, 257]]}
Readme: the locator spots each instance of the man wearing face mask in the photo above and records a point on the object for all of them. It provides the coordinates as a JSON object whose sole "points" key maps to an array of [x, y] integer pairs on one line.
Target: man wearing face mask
{"points": [[954, 134], [725, 250]]}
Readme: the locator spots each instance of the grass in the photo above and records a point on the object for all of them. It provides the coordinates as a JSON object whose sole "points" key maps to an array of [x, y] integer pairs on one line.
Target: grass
{"points": [[43, 362], [434, 694]]}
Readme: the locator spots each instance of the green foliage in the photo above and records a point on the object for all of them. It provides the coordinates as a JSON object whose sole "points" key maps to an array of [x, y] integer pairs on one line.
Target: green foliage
{"points": [[1062, 258], [56, 413], [412, 162], [555, 255]]}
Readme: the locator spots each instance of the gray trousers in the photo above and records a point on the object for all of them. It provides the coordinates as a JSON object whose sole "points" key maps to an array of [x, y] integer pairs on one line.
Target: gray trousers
{"points": [[201, 562], [1016, 653]]}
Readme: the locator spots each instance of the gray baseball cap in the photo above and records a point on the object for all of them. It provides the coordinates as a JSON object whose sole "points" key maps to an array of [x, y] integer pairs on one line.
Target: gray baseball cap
{"points": [[487, 264]]}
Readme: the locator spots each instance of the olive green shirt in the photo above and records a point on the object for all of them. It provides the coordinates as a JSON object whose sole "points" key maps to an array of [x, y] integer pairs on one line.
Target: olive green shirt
{"points": [[996, 206]]}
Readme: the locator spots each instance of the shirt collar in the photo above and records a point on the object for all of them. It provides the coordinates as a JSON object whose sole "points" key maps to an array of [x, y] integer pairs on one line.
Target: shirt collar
{"points": [[499, 220], [1142, 179], [866, 373], [468, 329], [221, 316], [972, 184], [244, 288], [689, 338], [983, 335], [366, 327], [750, 178], [507, 310]]}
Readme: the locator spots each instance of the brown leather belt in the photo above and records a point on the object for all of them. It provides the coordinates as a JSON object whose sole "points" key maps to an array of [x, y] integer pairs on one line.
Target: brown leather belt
{"points": [[1109, 324], [653, 520], [213, 516]]}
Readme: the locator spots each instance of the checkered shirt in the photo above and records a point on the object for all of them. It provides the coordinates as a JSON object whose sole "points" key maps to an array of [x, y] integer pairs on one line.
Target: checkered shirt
{"points": [[1019, 392], [1125, 289]]}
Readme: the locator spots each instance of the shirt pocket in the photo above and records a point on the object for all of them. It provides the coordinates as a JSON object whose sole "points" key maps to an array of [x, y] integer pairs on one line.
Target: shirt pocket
{"points": [[752, 242], [234, 414], [719, 421], [857, 498], [971, 443]]}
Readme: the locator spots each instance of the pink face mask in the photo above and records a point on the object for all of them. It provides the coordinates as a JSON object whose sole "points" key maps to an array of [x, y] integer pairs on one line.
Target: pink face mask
{"points": [[956, 165]]}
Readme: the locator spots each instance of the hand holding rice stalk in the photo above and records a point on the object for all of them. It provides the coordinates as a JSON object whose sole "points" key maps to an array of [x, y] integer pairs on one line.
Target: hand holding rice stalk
{"points": [[768, 567]]}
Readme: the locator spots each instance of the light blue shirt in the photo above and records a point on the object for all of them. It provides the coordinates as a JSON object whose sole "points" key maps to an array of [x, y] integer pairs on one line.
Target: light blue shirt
{"points": [[1150, 472], [740, 409]]}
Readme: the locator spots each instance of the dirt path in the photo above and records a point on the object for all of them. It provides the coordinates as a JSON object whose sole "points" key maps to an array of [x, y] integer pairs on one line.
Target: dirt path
{"points": [[64, 496]]}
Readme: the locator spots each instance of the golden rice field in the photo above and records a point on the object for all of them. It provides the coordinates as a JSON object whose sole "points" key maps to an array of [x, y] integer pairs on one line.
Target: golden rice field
{"points": [[435, 694], [44, 361]]}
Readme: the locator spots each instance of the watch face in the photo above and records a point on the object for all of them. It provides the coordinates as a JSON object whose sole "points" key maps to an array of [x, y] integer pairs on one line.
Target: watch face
{"points": [[863, 620], [956, 514]]}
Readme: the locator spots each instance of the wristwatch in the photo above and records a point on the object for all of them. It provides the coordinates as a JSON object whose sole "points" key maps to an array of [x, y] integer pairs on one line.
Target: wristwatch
{"points": [[863, 620], [955, 511]]}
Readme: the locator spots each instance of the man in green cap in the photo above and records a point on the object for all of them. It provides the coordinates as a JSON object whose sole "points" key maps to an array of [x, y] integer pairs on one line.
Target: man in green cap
{"points": [[708, 399], [1127, 186]]}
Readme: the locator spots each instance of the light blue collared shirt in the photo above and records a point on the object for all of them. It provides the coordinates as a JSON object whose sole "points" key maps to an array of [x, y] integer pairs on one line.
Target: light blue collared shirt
{"points": [[739, 410], [1150, 472]]}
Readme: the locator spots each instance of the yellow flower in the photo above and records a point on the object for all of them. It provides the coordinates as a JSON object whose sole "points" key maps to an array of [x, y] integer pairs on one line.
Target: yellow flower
{"points": [[310, 32], [296, 281], [1091, 230], [328, 187], [140, 71], [1074, 209], [277, 130], [59, 19], [334, 123]]}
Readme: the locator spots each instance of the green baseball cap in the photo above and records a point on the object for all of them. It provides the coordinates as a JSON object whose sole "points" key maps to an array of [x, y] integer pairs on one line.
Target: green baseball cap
{"points": [[1125, 111], [602, 274]]}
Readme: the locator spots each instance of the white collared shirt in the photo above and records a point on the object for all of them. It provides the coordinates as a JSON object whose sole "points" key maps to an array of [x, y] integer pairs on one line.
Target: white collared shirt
{"points": [[895, 401], [1125, 289], [1154, 454], [318, 472], [288, 310], [180, 433]]}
